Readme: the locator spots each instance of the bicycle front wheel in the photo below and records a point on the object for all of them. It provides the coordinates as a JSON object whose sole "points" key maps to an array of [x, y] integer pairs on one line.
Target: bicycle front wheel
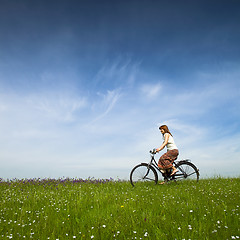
{"points": [[143, 173], [187, 171]]}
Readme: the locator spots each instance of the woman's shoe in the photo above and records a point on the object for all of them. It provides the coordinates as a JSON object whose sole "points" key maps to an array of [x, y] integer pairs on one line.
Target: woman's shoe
{"points": [[161, 183]]}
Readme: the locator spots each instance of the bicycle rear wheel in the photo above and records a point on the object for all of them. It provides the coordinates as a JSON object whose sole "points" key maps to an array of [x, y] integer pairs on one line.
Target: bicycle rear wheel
{"points": [[187, 171], [143, 173]]}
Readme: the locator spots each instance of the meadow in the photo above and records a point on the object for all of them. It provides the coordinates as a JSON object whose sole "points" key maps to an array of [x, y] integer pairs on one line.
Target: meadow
{"points": [[107, 209]]}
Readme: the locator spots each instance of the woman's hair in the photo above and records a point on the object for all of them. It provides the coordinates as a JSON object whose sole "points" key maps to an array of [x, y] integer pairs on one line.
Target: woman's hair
{"points": [[165, 128]]}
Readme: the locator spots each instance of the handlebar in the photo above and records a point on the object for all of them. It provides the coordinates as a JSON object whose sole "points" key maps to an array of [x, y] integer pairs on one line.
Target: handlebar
{"points": [[153, 151]]}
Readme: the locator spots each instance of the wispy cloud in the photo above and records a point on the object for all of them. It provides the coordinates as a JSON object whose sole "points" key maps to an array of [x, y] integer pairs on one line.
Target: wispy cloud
{"points": [[151, 90], [57, 106], [121, 72], [38, 115], [106, 103]]}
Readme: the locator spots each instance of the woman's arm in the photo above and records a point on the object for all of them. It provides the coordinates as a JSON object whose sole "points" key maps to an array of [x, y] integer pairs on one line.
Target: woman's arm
{"points": [[166, 135]]}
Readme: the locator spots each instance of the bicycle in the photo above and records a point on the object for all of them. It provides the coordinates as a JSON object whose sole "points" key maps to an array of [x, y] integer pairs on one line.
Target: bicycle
{"points": [[148, 172]]}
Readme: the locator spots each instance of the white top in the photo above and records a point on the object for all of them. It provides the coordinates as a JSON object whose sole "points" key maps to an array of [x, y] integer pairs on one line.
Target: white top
{"points": [[171, 144]]}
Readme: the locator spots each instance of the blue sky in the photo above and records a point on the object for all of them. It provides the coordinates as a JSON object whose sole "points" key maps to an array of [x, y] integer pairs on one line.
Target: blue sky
{"points": [[84, 85]]}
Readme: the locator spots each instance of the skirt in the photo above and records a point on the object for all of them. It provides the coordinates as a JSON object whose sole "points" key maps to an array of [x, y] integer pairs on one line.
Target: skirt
{"points": [[166, 160]]}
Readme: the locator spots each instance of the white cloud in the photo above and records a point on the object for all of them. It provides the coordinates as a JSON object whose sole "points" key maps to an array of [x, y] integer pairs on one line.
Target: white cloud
{"points": [[151, 91], [106, 103], [59, 107], [121, 73], [3, 107], [63, 133], [38, 116]]}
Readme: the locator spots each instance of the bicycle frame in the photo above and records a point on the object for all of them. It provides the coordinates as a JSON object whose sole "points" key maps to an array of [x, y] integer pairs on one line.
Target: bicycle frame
{"points": [[153, 163], [166, 176]]}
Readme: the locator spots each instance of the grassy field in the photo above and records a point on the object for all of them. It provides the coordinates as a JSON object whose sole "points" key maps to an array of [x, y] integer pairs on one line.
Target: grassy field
{"points": [[107, 209]]}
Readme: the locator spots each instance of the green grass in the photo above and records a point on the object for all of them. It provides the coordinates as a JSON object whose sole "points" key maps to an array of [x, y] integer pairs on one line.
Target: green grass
{"points": [[69, 209]]}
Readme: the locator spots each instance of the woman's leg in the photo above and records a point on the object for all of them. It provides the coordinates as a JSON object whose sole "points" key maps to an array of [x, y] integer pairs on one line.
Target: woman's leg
{"points": [[174, 170], [173, 155], [166, 160]]}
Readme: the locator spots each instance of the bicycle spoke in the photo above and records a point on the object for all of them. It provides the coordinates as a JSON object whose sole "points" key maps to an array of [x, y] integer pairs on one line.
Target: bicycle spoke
{"points": [[143, 173], [151, 179], [188, 171]]}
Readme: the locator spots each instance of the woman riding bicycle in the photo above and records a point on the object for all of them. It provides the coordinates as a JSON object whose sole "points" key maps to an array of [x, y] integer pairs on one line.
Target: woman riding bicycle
{"points": [[166, 160]]}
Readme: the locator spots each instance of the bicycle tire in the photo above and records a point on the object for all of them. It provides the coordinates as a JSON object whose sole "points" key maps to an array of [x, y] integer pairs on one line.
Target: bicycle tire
{"points": [[187, 171], [143, 173]]}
